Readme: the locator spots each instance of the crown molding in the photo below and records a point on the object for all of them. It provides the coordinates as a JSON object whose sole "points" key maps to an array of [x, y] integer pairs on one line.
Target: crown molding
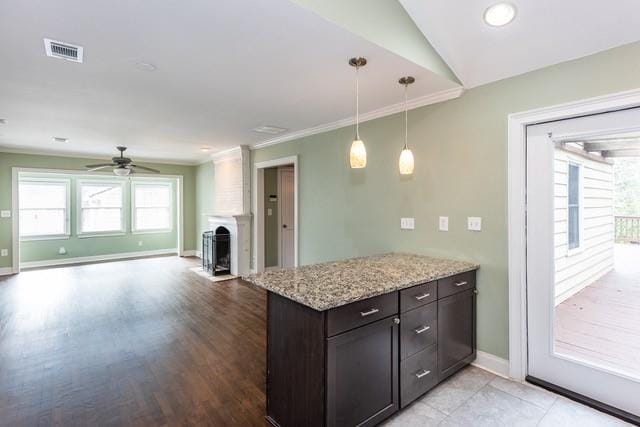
{"points": [[76, 155], [422, 101], [232, 153]]}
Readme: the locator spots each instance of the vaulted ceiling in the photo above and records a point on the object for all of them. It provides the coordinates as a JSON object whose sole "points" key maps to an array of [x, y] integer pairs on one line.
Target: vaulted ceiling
{"points": [[223, 68]]}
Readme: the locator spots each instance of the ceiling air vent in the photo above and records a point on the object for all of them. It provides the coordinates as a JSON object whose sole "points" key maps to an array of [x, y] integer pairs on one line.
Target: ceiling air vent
{"points": [[62, 50], [269, 130]]}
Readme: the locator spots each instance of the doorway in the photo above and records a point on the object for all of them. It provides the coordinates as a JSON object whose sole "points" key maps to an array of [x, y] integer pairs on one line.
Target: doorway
{"points": [[582, 284], [276, 213], [279, 226]]}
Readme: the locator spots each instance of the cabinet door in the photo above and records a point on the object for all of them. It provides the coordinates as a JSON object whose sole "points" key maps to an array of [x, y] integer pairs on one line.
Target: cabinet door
{"points": [[456, 332], [362, 374]]}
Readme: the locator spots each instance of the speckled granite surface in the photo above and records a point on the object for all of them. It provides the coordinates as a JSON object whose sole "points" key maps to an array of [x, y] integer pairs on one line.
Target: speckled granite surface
{"points": [[332, 284]]}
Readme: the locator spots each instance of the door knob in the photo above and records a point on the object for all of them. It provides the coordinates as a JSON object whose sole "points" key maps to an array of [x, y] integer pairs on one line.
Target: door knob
{"points": [[284, 225]]}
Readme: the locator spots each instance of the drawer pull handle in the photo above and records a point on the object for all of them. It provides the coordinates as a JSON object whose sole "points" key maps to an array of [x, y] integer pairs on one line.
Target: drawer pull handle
{"points": [[369, 313], [424, 373], [460, 283], [423, 296], [422, 329]]}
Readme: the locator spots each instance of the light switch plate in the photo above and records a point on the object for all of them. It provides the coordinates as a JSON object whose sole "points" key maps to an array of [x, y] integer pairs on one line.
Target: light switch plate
{"points": [[5, 214], [4, 252], [407, 223], [269, 211], [474, 223], [444, 223]]}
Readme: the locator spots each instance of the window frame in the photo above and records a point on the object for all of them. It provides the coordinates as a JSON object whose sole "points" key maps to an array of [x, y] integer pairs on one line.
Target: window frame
{"points": [[155, 182], [578, 249], [123, 217], [67, 219]]}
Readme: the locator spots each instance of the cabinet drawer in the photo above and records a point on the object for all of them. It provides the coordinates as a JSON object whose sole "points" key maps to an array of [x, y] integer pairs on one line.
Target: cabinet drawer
{"points": [[360, 313], [418, 374], [418, 295], [419, 329], [458, 283]]}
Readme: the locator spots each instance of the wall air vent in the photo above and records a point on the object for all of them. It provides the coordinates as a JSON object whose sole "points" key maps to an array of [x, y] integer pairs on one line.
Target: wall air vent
{"points": [[269, 130], [62, 50]]}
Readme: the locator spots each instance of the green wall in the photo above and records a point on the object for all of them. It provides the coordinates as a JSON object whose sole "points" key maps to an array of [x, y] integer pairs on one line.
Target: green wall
{"points": [[204, 199], [46, 250], [270, 222], [96, 246], [460, 149]]}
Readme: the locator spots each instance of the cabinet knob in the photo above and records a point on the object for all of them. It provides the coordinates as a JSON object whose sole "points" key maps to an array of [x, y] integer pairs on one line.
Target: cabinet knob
{"points": [[396, 320]]}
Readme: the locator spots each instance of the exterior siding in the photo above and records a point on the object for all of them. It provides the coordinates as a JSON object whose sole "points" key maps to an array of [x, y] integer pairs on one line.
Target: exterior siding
{"points": [[578, 268]]}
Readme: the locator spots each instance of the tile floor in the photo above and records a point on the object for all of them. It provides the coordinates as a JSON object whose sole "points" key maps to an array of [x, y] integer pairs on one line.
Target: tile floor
{"points": [[475, 397]]}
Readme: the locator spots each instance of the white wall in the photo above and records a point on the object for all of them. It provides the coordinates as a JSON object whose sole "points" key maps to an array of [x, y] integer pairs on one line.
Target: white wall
{"points": [[578, 268]]}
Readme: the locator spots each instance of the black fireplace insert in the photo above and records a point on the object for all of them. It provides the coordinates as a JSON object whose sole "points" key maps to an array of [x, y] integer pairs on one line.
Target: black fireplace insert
{"points": [[216, 251]]}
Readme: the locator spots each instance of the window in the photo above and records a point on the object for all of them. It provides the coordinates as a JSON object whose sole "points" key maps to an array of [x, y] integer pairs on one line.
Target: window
{"points": [[573, 184], [101, 207], [43, 208], [151, 206]]}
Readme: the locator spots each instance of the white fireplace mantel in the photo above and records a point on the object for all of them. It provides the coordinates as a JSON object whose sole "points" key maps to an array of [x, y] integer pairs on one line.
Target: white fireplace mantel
{"points": [[239, 227]]}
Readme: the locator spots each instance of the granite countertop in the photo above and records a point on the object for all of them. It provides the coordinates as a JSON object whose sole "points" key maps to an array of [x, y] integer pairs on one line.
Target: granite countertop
{"points": [[332, 284]]}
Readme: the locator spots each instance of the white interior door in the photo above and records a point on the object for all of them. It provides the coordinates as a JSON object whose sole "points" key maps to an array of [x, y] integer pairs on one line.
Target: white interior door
{"points": [[546, 232], [286, 179]]}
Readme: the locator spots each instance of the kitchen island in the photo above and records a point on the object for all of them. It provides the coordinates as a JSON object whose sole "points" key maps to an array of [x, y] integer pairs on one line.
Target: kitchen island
{"points": [[351, 342]]}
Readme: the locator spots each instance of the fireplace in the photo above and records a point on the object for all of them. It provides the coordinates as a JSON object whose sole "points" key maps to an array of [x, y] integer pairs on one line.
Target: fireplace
{"points": [[216, 251]]}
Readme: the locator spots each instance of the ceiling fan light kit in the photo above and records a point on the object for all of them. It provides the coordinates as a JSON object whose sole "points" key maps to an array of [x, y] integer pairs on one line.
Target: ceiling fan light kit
{"points": [[122, 166]]}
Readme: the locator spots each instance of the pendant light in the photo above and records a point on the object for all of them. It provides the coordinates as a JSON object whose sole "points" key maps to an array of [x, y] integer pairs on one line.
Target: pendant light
{"points": [[405, 163], [358, 153]]}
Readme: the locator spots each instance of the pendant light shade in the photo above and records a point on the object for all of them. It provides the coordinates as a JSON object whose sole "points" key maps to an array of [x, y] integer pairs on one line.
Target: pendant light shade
{"points": [[406, 163], [358, 152]]}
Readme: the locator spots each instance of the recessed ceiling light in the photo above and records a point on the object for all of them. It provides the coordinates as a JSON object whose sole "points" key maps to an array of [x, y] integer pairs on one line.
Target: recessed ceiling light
{"points": [[269, 130], [59, 139], [500, 14], [3, 121], [145, 66], [204, 149]]}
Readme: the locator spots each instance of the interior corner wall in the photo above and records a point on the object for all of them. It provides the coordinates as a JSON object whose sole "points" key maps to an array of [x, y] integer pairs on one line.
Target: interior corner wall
{"points": [[204, 199], [11, 160], [460, 149]]}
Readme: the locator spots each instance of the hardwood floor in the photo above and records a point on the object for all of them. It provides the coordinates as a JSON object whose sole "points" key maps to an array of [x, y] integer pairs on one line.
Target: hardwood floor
{"points": [[139, 342]]}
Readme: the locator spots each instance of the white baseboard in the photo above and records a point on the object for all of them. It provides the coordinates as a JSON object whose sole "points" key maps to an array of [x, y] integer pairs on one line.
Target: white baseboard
{"points": [[96, 258], [6, 270], [192, 252], [491, 363]]}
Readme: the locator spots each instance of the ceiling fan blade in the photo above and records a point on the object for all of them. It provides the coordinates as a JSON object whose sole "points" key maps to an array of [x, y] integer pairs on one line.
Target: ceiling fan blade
{"points": [[101, 166], [146, 168]]}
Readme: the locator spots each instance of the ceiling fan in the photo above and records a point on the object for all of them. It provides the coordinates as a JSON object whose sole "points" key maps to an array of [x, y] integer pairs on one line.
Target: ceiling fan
{"points": [[122, 165]]}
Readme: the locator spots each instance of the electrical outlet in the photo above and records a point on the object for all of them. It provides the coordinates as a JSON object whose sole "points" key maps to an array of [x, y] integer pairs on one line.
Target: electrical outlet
{"points": [[269, 212], [139, 242], [62, 250], [444, 223], [407, 223], [5, 214], [4, 252], [474, 223]]}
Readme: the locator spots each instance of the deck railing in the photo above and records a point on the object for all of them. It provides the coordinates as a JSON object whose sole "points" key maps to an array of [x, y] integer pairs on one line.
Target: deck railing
{"points": [[627, 229]]}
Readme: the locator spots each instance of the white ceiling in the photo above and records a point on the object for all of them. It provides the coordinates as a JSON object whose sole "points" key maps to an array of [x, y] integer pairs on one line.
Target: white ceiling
{"points": [[223, 68], [544, 32]]}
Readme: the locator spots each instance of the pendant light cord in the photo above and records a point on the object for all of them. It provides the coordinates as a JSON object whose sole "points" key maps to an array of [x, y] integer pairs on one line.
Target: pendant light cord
{"points": [[406, 118], [357, 104]]}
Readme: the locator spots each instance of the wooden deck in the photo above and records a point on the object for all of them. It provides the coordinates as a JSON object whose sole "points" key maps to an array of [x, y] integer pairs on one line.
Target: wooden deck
{"points": [[601, 324]]}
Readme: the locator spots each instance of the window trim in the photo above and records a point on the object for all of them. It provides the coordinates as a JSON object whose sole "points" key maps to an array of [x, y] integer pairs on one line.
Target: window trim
{"points": [[580, 248], [67, 219], [155, 182], [123, 217]]}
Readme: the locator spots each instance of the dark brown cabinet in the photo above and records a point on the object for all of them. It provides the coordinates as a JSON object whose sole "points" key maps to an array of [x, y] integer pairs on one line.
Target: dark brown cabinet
{"points": [[357, 364], [456, 332], [362, 374]]}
